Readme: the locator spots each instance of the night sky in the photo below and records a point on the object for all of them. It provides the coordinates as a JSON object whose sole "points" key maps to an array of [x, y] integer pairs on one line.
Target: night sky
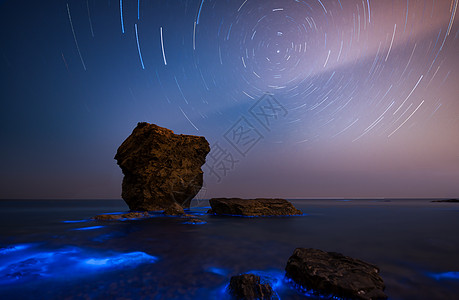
{"points": [[340, 98]]}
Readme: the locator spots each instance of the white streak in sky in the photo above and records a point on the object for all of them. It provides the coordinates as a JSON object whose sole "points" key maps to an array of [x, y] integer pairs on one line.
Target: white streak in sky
{"points": [[391, 42], [121, 16], [278, 9], [340, 49], [188, 119], [194, 36], [406, 119], [180, 89], [74, 37], [248, 95], [369, 14], [220, 55], [242, 5], [347, 127], [328, 56], [162, 45], [89, 15], [453, 14], [409, 95], [138, 47]]}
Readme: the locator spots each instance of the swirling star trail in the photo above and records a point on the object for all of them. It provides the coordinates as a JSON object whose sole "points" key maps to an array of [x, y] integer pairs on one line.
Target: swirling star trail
{"points": [[370, 87]]}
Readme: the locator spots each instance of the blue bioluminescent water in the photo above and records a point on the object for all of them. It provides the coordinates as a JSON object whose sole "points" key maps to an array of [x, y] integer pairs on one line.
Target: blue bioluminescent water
{"points": [[14, 248], [218, 271], [445, 275], [120, 260], [27, 263], [89, 228], [75, 221], [164, 259]]}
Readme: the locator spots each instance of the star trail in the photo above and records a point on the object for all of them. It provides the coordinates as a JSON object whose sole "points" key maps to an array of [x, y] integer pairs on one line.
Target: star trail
{"points": [[370, 87]]}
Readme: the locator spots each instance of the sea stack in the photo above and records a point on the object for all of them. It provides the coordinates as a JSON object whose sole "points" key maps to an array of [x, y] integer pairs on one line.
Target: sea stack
{"points": [[160, 168]]}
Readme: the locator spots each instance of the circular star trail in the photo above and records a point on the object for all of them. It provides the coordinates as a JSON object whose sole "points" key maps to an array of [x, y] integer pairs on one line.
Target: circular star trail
{"points": [[353, 77]]}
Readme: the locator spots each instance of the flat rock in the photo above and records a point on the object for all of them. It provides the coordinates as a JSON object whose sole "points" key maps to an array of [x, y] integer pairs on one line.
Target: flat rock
{"points": [[160, 168], [248, 287], [252, 207], [331, 273], [122, 217]]}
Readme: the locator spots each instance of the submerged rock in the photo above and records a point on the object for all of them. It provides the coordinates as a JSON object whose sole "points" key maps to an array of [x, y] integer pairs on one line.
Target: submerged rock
{"points": [[335, 274], [160, 168], [248, 287], [122, 217], [252, 207], [194, 221]]}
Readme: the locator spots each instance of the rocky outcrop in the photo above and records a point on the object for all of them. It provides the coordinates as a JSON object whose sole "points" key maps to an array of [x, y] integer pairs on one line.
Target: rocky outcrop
{"points": [[248, 287], [160, 168], [122, 217], [334, 274], [252, 207]]}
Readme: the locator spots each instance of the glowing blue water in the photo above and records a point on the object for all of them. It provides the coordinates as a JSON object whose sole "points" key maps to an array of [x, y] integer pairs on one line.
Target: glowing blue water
{"points": [[412, 241]]}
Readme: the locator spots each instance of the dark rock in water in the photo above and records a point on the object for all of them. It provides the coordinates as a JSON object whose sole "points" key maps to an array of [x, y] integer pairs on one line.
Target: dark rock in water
{"points": [[252, 207], [161, 168], [248, 287], [194, 221], [448, 201], [174, 210], [123, 217], [334, 274]]}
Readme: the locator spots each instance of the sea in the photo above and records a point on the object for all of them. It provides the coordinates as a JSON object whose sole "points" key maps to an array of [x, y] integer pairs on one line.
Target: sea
{"points": [[52, 249]]}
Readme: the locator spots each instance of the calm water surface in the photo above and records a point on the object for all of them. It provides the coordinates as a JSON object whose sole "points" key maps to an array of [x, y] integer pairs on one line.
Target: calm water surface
{"points": [[44, 256]]}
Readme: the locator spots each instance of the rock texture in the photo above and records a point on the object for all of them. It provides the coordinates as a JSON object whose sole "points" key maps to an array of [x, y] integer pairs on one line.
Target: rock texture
{"points": [[122, 217], [160, 168], [252, 207], [335, 274], [248, 287], [174, 210]]}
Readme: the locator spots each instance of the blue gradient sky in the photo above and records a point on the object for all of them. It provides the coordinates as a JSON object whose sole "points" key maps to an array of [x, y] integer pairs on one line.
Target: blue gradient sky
{"points": [[369, 90]]}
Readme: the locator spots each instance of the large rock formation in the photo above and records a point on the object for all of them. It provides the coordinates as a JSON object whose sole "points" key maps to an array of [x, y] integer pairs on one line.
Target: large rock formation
{"points": [[335, 274], [252, 207], [248, 287], [160, 168]]}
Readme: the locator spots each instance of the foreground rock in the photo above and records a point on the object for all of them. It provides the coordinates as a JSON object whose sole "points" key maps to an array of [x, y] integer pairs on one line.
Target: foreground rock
{"points": [[252, 207], [123, 217], [248, 287], [160, 168], [335, 274], [448, 201]]}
